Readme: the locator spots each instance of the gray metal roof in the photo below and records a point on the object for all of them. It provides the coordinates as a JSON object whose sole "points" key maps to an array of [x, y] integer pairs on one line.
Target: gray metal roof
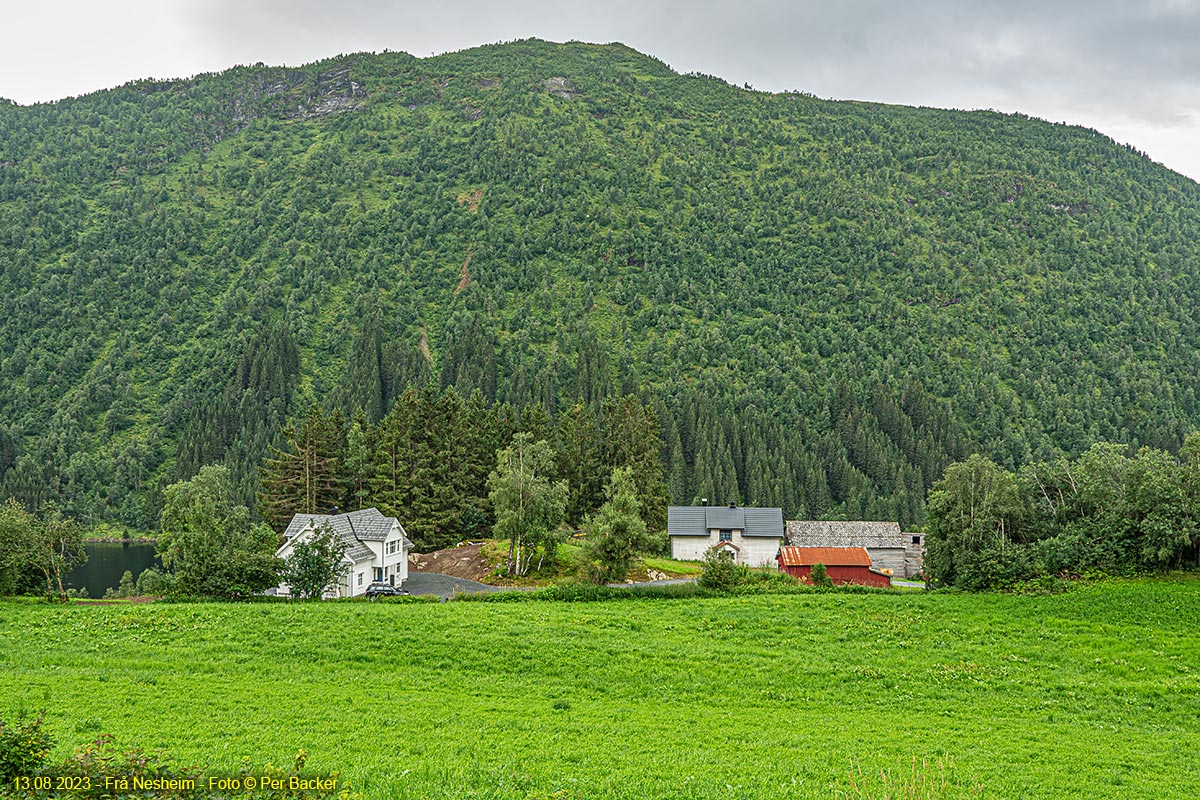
{"points": [[686, 521], [764, 522], [698, 520], [720, 517], [826, 533], [354, 528]]}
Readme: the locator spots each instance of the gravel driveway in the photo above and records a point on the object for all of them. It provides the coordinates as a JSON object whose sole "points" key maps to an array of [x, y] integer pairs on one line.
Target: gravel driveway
{"points": [[444, 586]]}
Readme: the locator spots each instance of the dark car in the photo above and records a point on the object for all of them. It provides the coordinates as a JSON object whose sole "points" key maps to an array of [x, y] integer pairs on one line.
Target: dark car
{"points": [[381, 589]]}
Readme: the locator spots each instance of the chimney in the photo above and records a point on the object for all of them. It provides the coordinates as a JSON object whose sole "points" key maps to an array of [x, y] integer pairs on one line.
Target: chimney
{"points": [[704, 501], [733, 505]]}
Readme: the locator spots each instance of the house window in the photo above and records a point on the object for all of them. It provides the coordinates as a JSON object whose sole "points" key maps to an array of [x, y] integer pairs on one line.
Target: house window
{"points": [[726, 536], [916, 540], [360, 579]]}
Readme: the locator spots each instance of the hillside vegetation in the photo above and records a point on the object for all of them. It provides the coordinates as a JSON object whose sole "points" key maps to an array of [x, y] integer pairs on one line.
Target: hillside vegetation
{"points": [[825, 302]]}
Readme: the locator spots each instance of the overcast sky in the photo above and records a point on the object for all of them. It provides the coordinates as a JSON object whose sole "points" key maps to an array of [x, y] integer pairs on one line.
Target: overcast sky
{"points": [[1129, 68]]}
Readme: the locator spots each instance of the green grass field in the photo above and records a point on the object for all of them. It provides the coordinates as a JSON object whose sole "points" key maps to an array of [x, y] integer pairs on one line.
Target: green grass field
{"points": [[1091, 694]]}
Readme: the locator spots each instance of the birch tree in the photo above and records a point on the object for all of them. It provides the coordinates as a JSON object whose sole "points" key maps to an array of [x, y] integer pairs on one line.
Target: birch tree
{"points": [[529, 506]]}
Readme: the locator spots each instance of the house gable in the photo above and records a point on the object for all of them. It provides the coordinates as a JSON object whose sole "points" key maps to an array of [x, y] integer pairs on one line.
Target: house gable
{"points": [[751, 535]]}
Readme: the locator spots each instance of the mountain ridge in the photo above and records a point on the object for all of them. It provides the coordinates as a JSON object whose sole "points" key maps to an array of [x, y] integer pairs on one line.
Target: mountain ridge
{"points": [[825, 300]]}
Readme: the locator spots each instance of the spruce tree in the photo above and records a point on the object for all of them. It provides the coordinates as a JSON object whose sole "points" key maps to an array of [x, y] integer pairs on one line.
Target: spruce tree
{"points": [[303, 477]]}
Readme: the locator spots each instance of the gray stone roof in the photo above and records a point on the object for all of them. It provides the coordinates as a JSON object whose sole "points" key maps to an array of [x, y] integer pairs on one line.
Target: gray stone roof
{"points": [[698, 520], [354, 528], [872, 535]]}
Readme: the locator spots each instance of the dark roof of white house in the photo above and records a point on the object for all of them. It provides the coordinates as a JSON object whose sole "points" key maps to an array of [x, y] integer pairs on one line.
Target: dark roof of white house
{"points": [[354, 528], [825, 533], [699, 520]]}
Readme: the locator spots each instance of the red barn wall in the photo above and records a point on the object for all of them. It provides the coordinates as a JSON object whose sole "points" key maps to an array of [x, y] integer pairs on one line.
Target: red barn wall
{"points": [[839, 575]]}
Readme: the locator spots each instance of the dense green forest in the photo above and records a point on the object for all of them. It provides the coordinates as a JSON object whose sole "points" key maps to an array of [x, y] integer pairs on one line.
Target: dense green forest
{"points": [[428, 462], [824, 303]]}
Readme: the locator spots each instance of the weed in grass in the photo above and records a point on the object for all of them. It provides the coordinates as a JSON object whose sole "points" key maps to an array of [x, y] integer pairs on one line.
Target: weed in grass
{"points": [[912, 781]]}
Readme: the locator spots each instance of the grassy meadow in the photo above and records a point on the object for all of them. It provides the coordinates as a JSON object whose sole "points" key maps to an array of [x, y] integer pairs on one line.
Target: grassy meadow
{"points": [[1090, 694]]}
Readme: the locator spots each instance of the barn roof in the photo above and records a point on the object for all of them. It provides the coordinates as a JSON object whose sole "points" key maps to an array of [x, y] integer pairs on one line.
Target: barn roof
{"points": [[829, 556], [815, 533], [699, 520]]}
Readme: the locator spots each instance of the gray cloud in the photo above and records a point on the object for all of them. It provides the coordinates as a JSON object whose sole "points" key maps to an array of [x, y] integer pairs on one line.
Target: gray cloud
{"points": [[1124, 67]]}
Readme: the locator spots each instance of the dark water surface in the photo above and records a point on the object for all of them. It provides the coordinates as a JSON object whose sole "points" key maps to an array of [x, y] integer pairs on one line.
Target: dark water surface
{"points": [[107, 561]]}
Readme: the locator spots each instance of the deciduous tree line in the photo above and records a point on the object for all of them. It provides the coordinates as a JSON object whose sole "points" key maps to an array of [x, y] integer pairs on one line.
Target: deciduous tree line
{"points": [[45, 545], [1109, 509]]}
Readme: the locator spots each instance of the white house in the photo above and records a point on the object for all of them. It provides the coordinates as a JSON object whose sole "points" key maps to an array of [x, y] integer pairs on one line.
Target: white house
{"points": [[751, 535], [376, 548]]}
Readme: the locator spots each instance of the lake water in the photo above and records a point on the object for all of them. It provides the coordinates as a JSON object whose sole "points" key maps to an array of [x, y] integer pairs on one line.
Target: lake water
{"points": [[107, 561]]}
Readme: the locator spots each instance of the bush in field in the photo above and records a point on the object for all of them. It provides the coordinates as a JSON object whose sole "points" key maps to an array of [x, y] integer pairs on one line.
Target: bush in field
{"points": [[23, 749], [100, 760], [618, 531], [154, 581], [720, 573], [819, 576]]}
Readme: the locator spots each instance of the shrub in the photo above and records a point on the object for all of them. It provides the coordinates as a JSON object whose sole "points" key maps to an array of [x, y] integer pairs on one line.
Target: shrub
{"points": [[819, 576], [23, 749], [720, 573], [99, 760], [316, 564], [155, 581], [993, 568]]}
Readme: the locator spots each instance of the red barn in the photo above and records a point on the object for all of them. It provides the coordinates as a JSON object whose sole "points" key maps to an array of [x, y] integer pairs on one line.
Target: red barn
{"points": [[842, 564]]}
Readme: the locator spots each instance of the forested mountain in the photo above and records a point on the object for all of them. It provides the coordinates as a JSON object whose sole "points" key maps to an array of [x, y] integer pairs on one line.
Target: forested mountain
{"points": [[825, 302]]}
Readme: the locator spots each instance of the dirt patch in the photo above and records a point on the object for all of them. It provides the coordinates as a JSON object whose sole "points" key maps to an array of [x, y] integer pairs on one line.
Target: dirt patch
{"points": [[423, 346], [471, 199], [464, 275], [461, 562]]}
